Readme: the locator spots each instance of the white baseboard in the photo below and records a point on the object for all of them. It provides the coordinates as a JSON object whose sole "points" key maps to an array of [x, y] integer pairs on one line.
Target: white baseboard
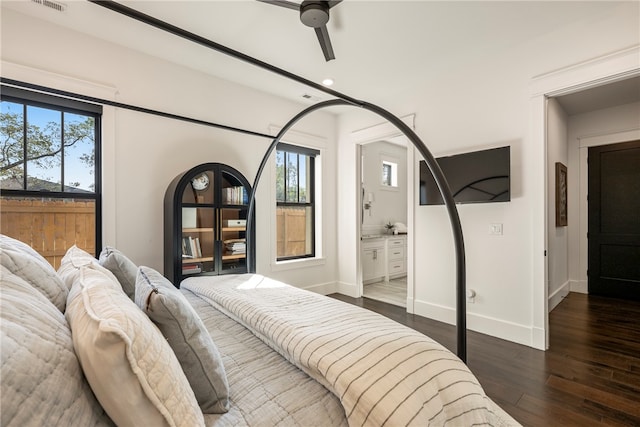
{"points": [[509, 331], [558, 295], [580, 286], [323, 288], [538, 338], [348, 289], [410, 305]]}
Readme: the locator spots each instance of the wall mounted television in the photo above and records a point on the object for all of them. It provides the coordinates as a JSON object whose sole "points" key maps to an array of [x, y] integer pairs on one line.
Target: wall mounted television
{"points": [[476, 177]]}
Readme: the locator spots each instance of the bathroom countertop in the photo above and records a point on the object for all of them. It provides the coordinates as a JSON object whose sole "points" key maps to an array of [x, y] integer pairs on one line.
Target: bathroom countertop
{"points": [[381, 236]]}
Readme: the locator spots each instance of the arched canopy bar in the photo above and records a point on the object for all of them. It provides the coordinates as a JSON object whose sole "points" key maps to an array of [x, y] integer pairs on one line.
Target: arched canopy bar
{"points": [[461, 319], [461, 308]]}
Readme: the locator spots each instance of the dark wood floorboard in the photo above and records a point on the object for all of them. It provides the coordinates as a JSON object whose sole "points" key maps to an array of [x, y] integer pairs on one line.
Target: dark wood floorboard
{"points": [[590, 376]]}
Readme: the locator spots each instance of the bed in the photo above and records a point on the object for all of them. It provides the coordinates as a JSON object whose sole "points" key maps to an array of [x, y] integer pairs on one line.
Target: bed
{"points": [[87, 345]]}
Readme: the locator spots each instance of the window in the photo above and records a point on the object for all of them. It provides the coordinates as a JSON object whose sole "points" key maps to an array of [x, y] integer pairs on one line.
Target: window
{"points": [[295, 201], [389, 174], [49, 172]]}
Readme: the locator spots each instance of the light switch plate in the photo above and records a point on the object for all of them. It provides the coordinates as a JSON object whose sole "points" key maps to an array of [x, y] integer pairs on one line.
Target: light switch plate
{"points": [[496, 229]]}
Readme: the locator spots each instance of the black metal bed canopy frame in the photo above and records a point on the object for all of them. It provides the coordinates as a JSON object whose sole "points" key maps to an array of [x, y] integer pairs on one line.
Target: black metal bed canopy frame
{"points": [[341, 99]]}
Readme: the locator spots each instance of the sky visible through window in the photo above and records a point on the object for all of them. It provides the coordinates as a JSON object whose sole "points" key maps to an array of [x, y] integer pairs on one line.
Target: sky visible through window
{"points": [[78, 173]]}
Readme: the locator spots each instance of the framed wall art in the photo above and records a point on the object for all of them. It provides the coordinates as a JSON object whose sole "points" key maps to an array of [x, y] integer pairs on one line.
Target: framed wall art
{"points": [[561, 195]]}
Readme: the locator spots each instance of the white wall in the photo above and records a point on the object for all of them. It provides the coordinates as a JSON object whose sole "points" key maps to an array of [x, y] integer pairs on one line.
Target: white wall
{"points": [[476, 105], [558, 237], [607, 126], [390, 204], [144, 152], [481, 102]]}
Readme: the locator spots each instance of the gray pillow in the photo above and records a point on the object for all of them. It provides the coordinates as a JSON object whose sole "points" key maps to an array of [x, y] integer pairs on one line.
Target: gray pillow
{"points": [[184, 330], [122, 267]]}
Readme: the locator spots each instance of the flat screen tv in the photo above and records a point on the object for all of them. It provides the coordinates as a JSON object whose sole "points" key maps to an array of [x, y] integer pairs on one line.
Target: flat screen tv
{"points": [[477, 177]]}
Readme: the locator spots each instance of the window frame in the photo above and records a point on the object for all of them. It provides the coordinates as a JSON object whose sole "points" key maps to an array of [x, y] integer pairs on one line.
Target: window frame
{"points": [[393, 164], [62, 105], [311, 153]]}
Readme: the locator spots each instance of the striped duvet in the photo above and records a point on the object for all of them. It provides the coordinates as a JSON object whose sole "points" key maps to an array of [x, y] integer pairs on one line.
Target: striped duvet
{"points": [[384, 373]]}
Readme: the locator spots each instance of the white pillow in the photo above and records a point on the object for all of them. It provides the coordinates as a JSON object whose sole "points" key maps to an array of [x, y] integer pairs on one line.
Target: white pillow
{"points": [[129, 365], [23, 261], [74, 259]]}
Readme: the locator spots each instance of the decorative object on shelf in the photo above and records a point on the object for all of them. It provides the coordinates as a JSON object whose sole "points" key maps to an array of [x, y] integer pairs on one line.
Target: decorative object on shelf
{"points": [[200, 182], [205, 218]]}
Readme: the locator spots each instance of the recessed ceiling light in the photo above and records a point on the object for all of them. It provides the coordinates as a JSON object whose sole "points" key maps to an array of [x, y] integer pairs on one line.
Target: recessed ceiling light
{"points": [[327, 82]]}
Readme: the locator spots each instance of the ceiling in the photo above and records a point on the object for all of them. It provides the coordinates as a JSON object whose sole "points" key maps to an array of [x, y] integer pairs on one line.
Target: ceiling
{"points": [[617, 93], [375, 42]]}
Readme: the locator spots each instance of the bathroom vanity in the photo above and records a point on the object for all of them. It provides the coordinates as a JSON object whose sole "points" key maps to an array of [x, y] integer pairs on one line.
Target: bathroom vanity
{"points": [[384, 257]]}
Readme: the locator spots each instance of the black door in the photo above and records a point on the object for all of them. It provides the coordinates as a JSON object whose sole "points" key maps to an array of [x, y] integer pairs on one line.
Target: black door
{"points": [[614, 220]]}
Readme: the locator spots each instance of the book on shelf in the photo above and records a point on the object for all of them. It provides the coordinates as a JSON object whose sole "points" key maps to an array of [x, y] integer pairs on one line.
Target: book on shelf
{"points": [[191, 247], [192, 268], [235, 196], [235, 246]]}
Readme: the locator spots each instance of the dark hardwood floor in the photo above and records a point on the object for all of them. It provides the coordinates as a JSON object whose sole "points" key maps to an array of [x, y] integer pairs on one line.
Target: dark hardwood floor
{"points": [[589, 376]]}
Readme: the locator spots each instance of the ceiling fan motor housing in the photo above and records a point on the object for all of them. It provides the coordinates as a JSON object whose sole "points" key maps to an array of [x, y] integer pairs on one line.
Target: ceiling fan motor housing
{"points": [[314, 13]]}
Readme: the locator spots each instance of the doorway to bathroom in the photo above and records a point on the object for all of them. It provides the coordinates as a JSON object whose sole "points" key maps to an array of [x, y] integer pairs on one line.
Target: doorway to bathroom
{"points": [[384, 192]]}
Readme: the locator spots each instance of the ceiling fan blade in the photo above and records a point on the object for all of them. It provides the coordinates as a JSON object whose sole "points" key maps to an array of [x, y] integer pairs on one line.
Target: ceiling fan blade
{"points": [[333, 3], [283, 3], [325, 42]]}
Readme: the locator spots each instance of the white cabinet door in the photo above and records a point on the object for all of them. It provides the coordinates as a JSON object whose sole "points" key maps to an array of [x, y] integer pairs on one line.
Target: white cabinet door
{"points": [[373, 262]]}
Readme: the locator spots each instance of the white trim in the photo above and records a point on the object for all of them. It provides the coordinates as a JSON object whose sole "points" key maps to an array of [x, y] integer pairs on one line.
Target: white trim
{"points": [[323, 288], [580, 286], [609, 138], [294, 264], [411, 208], [348, 289], [50, 79], [521, 334], [23, 73], [536, 153], [300, 138], [538, 338], [594, 72], [381, 131], [558, 295]]}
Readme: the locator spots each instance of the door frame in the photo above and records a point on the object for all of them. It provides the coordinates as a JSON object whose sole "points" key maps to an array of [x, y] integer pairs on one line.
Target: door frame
{"points": [[599, 71], [364, 136]]}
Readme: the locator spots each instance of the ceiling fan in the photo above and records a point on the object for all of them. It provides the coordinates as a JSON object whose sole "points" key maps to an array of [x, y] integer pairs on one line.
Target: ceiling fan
{"points": [[314, 14]]}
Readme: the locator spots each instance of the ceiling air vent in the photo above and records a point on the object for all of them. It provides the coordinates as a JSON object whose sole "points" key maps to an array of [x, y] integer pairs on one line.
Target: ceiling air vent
{"points": [[311, 97], [60, 7]]}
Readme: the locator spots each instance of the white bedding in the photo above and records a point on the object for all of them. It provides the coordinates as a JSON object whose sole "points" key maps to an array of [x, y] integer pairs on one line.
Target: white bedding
{"points": [[383, 373]]}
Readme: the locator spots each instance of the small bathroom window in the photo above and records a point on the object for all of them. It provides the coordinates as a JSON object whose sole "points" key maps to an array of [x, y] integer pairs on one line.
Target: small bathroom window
{"points": [[389, 174]]}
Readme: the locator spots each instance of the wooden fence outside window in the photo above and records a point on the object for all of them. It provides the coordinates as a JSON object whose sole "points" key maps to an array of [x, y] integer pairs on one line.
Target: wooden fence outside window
{"points": [[50, 226], [291, 231]]}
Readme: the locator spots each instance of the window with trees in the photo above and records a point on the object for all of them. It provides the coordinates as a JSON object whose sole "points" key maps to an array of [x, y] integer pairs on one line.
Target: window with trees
{"points": [[50, 172], [295, 201]]}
